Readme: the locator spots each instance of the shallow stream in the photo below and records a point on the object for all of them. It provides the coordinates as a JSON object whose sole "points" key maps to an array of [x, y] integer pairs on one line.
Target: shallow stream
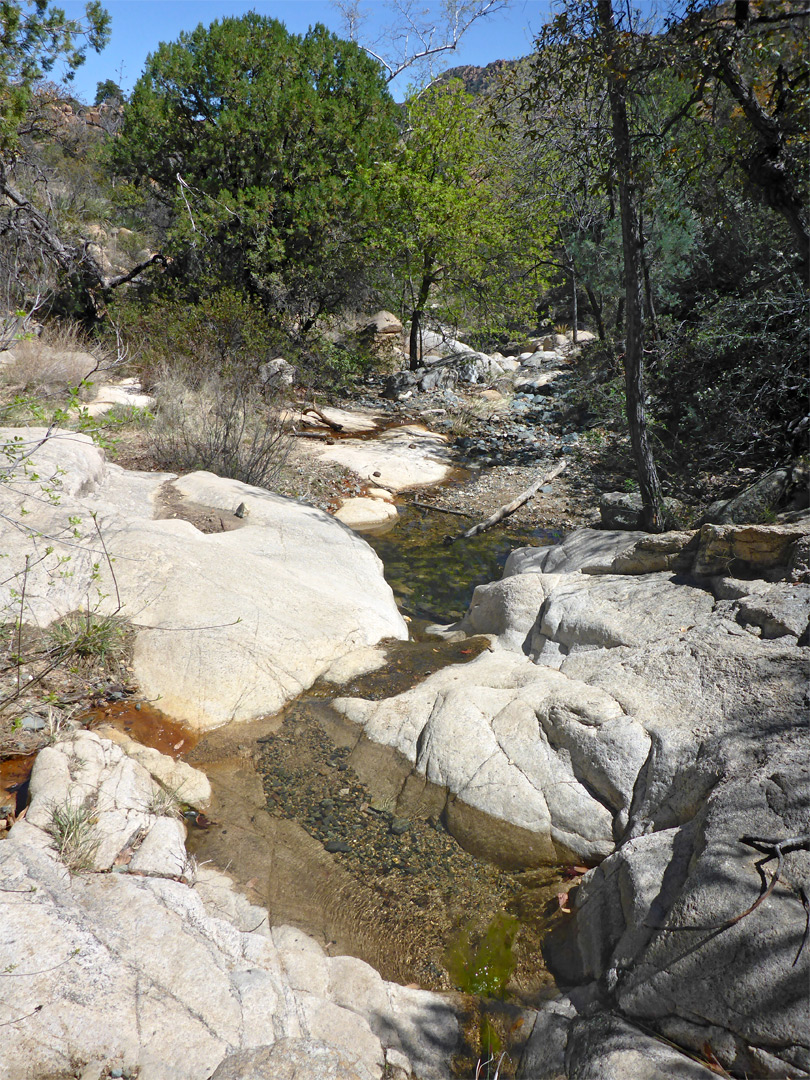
{"points": [[327, 832]]}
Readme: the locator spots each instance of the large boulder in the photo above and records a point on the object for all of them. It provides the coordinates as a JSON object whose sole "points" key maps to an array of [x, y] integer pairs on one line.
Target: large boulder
{"points": [[661, 716], [383, 324], [517, 751], [171, 976], [760, 501], [624, 510], [230, 625], [402, 457]]}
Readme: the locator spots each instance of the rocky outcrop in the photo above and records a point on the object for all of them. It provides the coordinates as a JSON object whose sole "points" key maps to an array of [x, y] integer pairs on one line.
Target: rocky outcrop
{"points": [[763, 499], [402, 457], [231, 625], [161, 969], [662, 717]]}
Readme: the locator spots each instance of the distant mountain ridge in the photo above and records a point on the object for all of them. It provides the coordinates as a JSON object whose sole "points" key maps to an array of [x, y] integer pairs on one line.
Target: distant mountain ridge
{"points": [[479, 80]]}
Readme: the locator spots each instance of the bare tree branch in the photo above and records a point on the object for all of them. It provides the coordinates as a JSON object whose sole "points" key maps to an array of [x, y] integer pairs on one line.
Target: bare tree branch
{"points": [[415, 37]]}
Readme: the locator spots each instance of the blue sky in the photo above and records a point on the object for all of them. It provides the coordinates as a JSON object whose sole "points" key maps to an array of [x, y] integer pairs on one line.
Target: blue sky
{"points": [[139, 25]]}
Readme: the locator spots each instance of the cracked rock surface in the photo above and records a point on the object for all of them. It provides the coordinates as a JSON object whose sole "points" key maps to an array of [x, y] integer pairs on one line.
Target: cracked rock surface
{"points": [[165, 971], [637, 708]]}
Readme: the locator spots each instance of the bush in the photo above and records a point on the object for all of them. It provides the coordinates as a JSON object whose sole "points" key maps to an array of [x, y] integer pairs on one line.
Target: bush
{"points": [[59, 357], [221, 424], [224, 333], [731, 384]]}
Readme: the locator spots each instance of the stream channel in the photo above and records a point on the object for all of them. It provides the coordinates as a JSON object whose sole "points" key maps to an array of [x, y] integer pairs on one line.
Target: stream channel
{"points": [[332, 834], [323, 830]]}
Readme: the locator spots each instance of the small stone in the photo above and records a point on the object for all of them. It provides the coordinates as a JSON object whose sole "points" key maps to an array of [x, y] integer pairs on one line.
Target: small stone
{"points": [[116, 1073], [399, 826], [336, 846], [32, 723]]}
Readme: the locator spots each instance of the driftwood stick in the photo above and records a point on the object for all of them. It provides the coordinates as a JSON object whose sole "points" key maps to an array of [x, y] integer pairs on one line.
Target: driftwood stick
{"points": [[511, 507], [333, 424], [439, 509]]}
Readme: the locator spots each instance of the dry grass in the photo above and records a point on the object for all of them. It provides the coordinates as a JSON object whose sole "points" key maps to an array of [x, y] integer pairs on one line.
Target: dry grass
{"points": [[221, 425], [60, 357]]}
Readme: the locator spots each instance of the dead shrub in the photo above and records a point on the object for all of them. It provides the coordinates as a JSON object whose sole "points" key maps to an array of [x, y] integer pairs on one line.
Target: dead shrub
{"points": [[59, 357], [220, 424]]}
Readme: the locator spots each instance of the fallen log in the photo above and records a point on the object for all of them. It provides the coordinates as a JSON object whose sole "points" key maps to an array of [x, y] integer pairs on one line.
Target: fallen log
{"points": [[324, 436], [333, 424], [511, 507]]}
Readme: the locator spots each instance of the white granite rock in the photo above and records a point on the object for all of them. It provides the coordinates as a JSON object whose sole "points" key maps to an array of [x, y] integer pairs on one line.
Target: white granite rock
{"points": [[216, 641], [174, 981]]}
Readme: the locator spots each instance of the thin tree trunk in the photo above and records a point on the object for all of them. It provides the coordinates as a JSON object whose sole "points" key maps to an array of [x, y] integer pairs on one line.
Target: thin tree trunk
{"points": [[774, 167], [632, 251], [415, 342], [576, 309], [648, 294], [596, 308]]}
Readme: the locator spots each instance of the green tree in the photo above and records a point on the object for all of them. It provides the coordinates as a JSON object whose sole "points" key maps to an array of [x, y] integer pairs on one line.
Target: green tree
{"points": [[690, 138], [451, 210], [33, 36], [108, 88], [256, 140]]}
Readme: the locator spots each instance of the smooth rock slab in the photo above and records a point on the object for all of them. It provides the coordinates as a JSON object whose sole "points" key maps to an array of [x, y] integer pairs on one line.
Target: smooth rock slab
{"points": [[230, 625], [153, 975], [400, 458], [549, 756], [127, 393]]}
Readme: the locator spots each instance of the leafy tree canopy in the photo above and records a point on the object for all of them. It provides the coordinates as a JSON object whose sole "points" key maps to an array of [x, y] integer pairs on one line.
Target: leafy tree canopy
{"points": [[33, 37], [452, 210], [108, 88], [256, 138]]}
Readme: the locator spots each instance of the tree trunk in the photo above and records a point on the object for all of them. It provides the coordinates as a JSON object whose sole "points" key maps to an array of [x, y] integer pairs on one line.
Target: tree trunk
{"points": [[648, 294], [774, 167], [576, 308], [596, 308], [632, 251], [415, 341], [619, 323]]}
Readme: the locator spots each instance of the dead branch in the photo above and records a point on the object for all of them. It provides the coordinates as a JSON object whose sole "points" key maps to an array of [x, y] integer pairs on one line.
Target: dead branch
{"points": [[770, 849], [324, 436], [439, 509], [333, 424], [511, 507]]}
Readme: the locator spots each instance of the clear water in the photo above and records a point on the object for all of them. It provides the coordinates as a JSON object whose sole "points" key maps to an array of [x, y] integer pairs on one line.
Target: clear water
{"points": [[435, 581]]}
